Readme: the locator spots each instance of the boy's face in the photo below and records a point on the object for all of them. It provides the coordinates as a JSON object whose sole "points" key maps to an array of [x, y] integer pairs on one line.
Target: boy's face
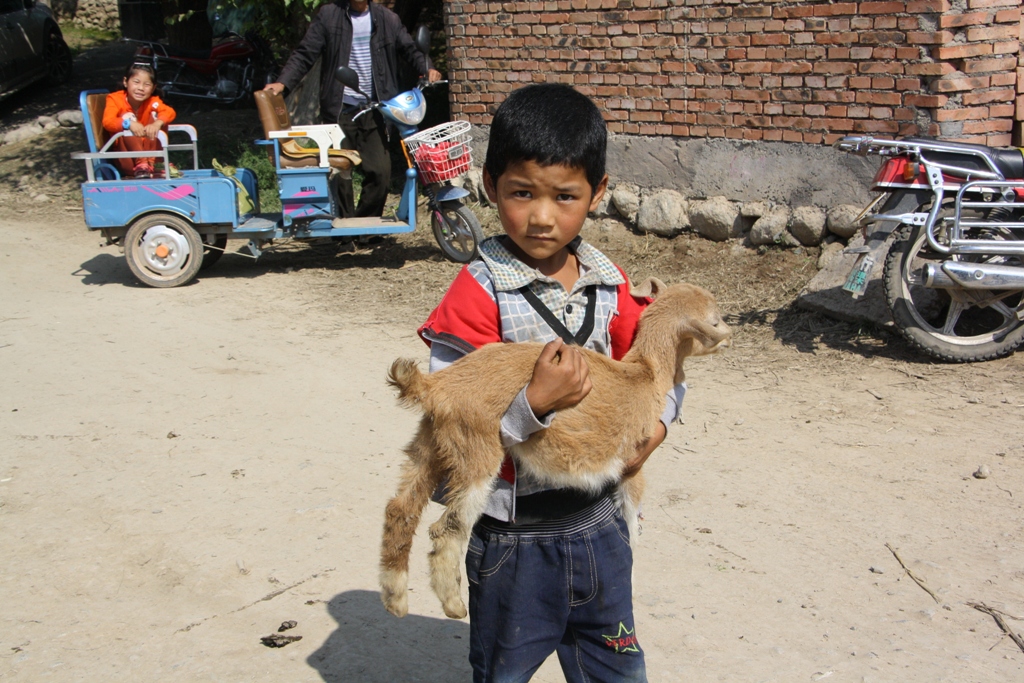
{"points": [[542, 208]]}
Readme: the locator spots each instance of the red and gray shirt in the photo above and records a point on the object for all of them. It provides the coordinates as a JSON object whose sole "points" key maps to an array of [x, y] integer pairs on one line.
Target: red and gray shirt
{"points": [[498, 298]]}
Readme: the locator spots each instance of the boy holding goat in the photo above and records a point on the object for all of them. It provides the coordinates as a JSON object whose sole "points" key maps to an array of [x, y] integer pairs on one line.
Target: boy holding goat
{"points": [[549, 569]]}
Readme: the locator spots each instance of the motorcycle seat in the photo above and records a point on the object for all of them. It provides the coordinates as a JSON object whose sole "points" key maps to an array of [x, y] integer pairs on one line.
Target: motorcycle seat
{"points": [[274, 117], [1009, 160], [187, 52]]}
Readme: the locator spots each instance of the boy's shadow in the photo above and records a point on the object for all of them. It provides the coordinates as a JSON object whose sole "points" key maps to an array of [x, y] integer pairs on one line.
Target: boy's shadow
{"points": [[372, 646]]}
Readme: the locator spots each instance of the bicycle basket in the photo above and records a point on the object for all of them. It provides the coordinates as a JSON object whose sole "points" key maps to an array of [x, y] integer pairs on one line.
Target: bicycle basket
{"points": [[442, 152]]}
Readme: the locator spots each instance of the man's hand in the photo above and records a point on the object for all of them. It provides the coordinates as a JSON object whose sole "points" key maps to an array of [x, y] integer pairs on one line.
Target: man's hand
{"points": [[644, 450], [274, 88], [433, 75], [561, 378]]}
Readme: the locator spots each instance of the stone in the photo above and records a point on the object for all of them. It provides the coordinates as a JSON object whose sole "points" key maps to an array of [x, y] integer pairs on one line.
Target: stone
{"points": [[626, 202], [663, 213], [808, 225], [716, 218], [70, 117], [841, 220], [21, 133], [828, 252], [754, 209], [769, 228]]}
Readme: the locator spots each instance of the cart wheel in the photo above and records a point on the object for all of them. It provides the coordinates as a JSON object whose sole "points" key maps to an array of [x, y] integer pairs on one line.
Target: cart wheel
{"points": [[211, 256], [163, 250]]}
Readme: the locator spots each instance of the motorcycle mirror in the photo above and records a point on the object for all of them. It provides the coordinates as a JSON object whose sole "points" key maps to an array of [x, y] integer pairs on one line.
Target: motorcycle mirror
{"points": [[422, 39], [348, 78]]}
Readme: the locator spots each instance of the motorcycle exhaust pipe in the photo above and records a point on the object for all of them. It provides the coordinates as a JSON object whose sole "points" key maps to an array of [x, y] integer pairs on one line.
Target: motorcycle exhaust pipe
{"points": [[953, 274]]}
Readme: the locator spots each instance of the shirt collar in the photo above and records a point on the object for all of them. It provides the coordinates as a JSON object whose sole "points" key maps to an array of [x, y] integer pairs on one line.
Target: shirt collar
{"points": [[510, 273]]}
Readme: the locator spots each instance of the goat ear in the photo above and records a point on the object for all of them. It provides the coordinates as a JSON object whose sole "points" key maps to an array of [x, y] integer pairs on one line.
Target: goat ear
{"points": [[708, 336], [651, 288]]}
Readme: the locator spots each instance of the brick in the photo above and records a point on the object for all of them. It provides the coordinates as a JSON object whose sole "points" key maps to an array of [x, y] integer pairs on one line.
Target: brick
{"points": [[988, 126], [972, 19], [962, 51], [961, 114], [1008, 48], [881, 7], [881, 37], [752, 67], [940, 69], [988, 96], [930, 38], [769, 39], [1000, 140], [974, 66], [891, 127], [868, 97], [1002, 110], [791, 67], [985, 4], [993, 33], [1007, 15], [880, 68], [926, 101], [959, 84], [928, 6]]}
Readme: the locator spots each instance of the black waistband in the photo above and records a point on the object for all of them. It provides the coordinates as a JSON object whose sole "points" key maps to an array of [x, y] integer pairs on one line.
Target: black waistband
{"points": [[553, 505]]}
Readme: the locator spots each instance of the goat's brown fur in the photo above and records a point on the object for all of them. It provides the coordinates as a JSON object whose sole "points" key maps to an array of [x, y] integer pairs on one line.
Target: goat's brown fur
{"points": [[586, 446]]}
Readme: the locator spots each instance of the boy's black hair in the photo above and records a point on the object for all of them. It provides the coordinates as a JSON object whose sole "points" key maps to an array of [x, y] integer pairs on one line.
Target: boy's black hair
{"points": [[550, 124]]}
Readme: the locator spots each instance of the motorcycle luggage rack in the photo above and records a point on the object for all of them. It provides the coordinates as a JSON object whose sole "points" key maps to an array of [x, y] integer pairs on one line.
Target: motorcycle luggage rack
{"points": [[958, 245], [865, 145]]}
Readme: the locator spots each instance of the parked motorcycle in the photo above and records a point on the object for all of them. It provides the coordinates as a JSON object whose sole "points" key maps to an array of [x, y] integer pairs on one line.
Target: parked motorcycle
{"points": [[226, 74], [954, 271], [438, 154]]}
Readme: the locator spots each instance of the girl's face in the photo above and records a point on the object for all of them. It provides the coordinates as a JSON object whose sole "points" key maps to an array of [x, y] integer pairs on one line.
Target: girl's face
{"points": [[138, 86]]}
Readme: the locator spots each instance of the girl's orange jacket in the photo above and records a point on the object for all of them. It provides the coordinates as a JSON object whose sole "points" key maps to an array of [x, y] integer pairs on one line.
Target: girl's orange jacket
{"points": [[117, 106]]}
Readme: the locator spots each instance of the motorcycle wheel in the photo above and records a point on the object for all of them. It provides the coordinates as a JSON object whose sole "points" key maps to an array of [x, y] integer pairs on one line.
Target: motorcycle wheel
{"points": [[955, 325], [457, 231]]}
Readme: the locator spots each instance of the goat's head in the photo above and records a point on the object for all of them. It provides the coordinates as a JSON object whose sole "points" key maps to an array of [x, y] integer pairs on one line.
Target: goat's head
{"points": [[690, 316]]}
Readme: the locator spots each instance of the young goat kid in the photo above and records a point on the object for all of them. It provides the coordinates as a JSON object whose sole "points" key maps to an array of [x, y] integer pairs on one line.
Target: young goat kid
{"points": [[586, 446]]}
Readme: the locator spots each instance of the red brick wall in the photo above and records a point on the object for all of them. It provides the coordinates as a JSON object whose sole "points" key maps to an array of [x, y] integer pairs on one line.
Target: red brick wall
{"points": [[756, 70]]}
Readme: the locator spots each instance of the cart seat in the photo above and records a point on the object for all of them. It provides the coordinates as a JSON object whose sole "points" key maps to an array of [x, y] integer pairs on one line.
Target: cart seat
{"points": [[92, 104], [277, 125]]}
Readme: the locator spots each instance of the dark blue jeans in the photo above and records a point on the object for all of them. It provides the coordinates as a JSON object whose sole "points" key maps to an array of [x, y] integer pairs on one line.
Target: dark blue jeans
{"points": [[545, 588]]}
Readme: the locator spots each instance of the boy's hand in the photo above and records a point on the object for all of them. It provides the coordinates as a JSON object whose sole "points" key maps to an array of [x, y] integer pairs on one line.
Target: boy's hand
{"points": [[561, 378], [644, 450]]}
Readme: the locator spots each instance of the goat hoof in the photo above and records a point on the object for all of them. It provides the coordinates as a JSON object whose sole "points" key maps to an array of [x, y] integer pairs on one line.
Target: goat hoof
{"points": [[399, 606], [456, 609]]}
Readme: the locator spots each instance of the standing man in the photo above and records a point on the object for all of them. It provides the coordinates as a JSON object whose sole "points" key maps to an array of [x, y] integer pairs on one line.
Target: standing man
{"points": [[370, 39]]}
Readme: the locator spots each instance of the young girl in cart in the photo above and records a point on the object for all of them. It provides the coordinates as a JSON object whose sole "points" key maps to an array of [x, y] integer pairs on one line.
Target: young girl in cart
{"points": [[140, 114]]}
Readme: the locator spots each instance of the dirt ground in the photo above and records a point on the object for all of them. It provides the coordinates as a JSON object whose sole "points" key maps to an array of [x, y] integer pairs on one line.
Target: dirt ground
{"points": [[183, 470]]}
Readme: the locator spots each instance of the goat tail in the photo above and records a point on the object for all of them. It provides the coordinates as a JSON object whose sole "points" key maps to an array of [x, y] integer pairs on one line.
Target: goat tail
{"points": [[405, 376], [401, 517]]}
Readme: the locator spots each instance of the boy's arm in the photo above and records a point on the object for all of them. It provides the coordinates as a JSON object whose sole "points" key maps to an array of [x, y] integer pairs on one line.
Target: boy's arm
{"points": [[560, 380]]}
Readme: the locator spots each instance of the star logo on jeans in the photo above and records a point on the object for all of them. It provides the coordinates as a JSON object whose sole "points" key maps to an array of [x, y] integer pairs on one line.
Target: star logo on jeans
{"points": [[623, 641]]}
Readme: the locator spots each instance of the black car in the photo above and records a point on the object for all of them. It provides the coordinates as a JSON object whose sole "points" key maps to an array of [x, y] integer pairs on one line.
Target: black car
{"points": [[32, 47]]}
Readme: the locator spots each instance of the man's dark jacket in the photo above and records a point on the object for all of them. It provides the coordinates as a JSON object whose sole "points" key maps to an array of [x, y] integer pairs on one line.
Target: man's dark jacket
{"points": [[330, 36]]}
